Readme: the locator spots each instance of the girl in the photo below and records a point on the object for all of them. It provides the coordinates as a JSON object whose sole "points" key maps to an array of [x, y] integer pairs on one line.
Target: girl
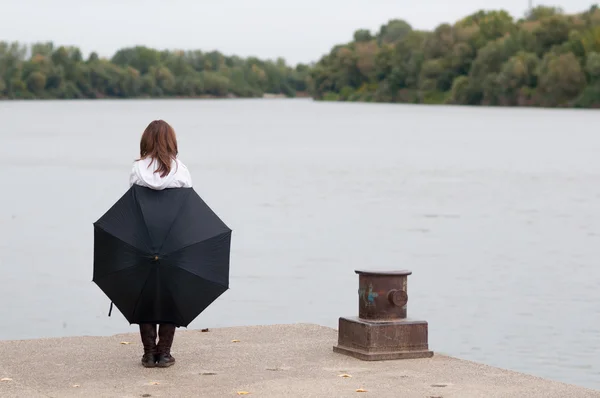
{"points": [[158, 168]]}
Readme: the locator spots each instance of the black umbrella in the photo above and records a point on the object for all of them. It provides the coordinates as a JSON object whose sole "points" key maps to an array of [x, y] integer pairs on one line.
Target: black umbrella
{"points": [[161, 256]]}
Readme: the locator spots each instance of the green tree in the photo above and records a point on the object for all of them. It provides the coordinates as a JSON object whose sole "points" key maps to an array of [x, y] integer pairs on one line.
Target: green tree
{"points": [[561, 79], [491, 25], [140, 57], [93, 57], [543, 12], [440, 43], [148, 86], [365, 54], [460, 90], [164, 79], [551, 32], [592, 66], [215, 84], [36, 83], [362, 35], [518, 72], [393, 31], [489, 61], [491, 90], [43, 49]]}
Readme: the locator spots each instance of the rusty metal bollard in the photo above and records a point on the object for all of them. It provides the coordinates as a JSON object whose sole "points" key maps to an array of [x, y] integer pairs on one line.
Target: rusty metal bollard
{"points": [[382, 330]]}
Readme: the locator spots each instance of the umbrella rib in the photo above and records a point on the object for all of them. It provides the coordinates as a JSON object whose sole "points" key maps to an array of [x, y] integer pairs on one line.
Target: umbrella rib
{"points": [[176, 306], [204, 279], [174, 219], [119, 270], [195, 243], [140, 296], [192, 273], [121, 240], [143, 218], [127, 244]]}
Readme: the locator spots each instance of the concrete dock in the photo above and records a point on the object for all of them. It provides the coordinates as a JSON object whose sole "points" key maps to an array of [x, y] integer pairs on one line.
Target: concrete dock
{"points": [[261, 361]]}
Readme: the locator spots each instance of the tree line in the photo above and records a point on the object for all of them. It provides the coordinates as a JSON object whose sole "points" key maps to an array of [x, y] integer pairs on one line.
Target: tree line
{"points": [[44, 71], [546, 58]]}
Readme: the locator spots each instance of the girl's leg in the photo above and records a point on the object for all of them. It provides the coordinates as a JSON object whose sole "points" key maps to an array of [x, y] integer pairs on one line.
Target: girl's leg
{"points": [[148, 335], [166, 333]]}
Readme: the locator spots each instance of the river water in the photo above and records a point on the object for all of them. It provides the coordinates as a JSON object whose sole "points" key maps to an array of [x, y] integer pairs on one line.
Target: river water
{"points": [[496, 212]]}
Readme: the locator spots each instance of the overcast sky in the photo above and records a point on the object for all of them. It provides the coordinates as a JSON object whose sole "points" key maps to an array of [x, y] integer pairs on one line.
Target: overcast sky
{"points": [[298, 30]]}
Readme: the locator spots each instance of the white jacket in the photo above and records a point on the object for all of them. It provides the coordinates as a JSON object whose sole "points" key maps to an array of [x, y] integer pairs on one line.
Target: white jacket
{"points": [[143, 173]]}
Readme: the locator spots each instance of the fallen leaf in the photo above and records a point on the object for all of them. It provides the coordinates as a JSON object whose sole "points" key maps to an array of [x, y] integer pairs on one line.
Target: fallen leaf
{"points": [[345, 376], [235, 341], [76, 385], [243, 393], [204, 330], [125, 342], [6, 379], [361, 390], [154, 383]]}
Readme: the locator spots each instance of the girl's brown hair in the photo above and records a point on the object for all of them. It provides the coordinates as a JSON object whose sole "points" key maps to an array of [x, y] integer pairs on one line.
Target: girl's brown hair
{"points": [[160, 144]]}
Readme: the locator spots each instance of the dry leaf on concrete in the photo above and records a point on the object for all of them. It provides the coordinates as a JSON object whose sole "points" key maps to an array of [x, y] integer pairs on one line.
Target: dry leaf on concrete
{"points": [[76, 386], [361, 390], [6, 379], [154, 383], [243, 393], [235, 341], [125, 342], [345, 376]]}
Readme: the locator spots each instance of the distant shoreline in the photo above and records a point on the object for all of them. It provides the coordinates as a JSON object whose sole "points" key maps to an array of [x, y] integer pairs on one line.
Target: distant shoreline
{"points": [[195, 97], [546, 58], [43, 71]]}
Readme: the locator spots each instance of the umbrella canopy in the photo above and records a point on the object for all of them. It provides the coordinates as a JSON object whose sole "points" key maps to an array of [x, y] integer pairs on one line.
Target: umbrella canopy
{"points": [[161, 256]]}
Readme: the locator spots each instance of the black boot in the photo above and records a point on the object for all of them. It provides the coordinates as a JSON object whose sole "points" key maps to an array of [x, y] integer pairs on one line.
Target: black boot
{"points": [[148, 334], [166, 333]]}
